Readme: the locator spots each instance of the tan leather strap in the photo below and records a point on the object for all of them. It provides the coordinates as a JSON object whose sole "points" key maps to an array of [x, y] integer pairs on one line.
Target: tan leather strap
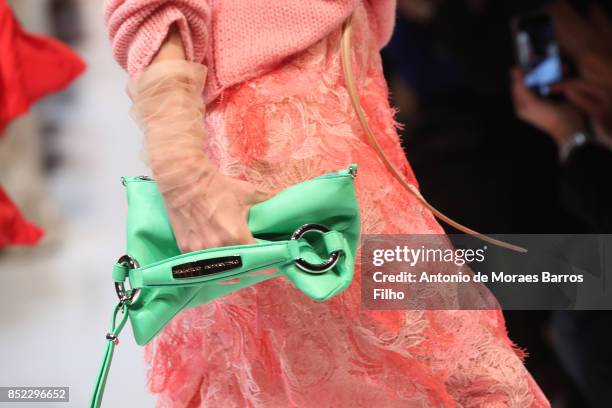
{"points": [[350, 84]]}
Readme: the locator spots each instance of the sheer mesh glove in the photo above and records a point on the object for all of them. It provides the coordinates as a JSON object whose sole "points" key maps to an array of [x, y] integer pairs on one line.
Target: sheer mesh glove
{"points": [[206, 208]]}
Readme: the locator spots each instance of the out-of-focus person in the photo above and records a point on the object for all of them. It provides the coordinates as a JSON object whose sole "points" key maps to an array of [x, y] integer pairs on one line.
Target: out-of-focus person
{"points": [[587, 40], [581, 123], [581, 126], [447, 65]]}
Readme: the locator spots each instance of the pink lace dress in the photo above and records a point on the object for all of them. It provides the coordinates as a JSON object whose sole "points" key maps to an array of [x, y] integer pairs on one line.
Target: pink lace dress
{"points": [[271, 346]]}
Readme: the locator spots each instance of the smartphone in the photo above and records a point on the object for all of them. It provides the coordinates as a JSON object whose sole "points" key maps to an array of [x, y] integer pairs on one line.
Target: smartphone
{"points": [[537, 51]]}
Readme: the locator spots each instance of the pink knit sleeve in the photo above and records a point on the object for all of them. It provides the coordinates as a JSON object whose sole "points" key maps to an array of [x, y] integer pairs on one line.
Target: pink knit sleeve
{"points": [[137, 28]]}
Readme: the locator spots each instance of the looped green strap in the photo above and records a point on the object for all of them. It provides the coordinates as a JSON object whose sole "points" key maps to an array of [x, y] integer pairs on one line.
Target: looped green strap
{"points": [[120, 272], [112, 341]]}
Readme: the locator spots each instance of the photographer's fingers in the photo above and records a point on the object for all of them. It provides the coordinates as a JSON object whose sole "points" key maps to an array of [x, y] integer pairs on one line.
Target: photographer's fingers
{"points": [[571, 30], [600, 20], [597, 68], [588, 97], [558, 120], [522, 96]]}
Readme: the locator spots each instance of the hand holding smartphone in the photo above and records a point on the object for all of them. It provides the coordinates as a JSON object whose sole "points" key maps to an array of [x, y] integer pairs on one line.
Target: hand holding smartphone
{"points": [[537, 51]]}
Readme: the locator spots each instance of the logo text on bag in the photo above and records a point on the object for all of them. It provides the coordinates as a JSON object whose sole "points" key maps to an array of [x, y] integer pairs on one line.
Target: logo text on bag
{"points": [[206, 267]]}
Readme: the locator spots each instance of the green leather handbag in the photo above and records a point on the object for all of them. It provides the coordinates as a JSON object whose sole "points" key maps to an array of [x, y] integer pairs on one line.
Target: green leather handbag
{"points": [[308, 233]]}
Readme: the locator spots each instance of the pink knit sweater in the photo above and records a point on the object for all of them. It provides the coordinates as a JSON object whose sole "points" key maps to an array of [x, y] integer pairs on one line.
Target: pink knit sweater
{"points": [[235, 39]]}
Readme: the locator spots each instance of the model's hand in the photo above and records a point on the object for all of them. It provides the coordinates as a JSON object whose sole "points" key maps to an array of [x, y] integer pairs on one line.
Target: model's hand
{"points": [[212, 212], [559, 120]]}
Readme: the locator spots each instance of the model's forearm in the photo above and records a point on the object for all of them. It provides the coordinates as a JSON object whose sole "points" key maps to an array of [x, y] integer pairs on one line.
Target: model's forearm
{"points": [[169, 107]]}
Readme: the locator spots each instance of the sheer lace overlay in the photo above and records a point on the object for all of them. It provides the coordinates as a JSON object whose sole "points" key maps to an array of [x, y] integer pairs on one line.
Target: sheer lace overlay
{"points": [[271, 346]]}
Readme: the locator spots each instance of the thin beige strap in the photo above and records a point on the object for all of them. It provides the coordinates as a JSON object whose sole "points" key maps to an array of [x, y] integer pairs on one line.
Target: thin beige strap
{"points": [[350, 84]]}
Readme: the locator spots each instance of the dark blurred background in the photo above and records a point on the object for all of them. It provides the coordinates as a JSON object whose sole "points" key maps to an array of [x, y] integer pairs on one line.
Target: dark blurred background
{"points": [[448, 67]]}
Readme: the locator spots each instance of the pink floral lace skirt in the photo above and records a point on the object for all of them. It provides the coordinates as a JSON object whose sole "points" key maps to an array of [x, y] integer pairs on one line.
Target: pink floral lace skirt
{"points": [[271, 346]]}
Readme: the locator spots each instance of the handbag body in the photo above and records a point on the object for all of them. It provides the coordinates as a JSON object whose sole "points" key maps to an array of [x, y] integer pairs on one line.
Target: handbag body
{"points": [[168, 281], [307, 233]]}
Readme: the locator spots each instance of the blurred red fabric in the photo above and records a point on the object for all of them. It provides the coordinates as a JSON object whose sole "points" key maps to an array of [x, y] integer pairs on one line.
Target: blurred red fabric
{"points": [[14, 229], [31, 66]]}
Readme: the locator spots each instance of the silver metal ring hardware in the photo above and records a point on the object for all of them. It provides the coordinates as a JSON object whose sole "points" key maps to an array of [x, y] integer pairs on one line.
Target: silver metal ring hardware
{"points": [[310, 267], [126, 296]]}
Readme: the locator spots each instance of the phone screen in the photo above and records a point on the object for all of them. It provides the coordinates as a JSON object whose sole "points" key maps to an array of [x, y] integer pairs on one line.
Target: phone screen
{"points": [[538, 52]]}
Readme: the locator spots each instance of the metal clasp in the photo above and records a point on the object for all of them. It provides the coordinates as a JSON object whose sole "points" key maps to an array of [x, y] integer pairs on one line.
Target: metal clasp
{"points": [[126, 296], [310, 267], [113, 338]]}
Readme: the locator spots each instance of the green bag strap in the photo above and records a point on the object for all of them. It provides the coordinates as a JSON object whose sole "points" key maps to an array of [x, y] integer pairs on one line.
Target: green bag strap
{"points": [[112, 341], [222, 263]]}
